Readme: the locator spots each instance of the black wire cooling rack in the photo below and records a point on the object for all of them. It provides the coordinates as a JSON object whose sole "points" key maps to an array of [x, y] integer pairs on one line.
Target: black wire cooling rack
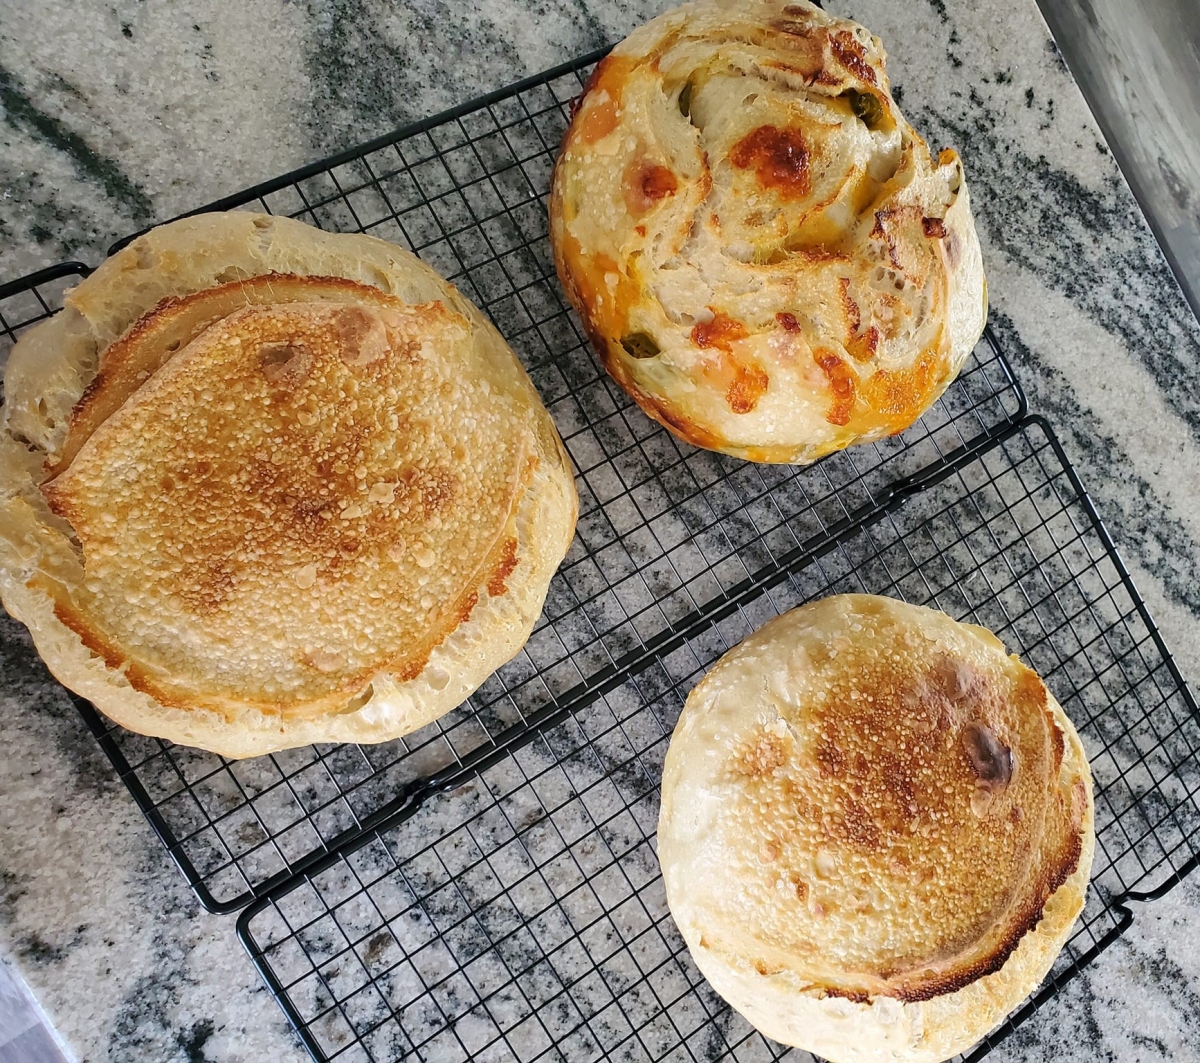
{"points": [[487, 887], [666, 532], [517, 912]]}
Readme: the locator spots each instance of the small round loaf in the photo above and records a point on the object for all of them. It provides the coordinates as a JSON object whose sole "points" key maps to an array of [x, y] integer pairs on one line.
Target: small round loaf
{"points": [[763, 251], [876, 830], [263, 486]]}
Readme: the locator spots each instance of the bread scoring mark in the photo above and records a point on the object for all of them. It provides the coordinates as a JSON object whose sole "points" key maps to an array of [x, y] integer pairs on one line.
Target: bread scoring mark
{"points": [[849, 52], [842, 385], [504, 569], [849, 308], [158, 335], [75, 619], [645, 184], [1063, 867], [114, 357], [779, 157]]}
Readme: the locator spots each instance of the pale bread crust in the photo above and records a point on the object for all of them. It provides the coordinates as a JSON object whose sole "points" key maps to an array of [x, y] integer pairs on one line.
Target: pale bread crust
{"points": [[53, 363], [657, 224], [786, 997]]}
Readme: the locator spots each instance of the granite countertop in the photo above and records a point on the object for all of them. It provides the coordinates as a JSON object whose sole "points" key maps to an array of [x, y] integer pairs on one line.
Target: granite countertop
{"points": [[117, 114]]}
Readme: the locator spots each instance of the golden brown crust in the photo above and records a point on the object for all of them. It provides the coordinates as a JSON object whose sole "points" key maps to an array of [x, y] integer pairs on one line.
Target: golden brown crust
{"points": [[158, 335], [732, 166], [284, 508], [355, 499], [866, 802]]}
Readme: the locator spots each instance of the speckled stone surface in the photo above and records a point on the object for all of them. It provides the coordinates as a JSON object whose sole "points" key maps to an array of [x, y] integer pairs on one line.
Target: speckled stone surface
{"points": [[114, 115]]}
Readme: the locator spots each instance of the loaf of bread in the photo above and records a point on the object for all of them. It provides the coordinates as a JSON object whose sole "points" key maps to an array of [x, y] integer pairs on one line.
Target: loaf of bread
{"points": [[876, 830], [763, 251], [262, 486]]}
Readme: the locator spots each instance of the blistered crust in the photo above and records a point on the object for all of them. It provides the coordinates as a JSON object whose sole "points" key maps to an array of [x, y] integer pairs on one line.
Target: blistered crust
{"points": [[763, 251], [876, 830], [297, 320]]}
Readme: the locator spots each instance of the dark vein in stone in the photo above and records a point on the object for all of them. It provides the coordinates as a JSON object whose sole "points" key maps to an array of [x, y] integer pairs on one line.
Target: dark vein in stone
{"points": [[21, 113], [1143, 525]]}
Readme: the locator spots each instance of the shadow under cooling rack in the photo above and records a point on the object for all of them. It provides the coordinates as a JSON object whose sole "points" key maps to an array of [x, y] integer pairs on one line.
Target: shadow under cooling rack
{"points": [[520, 913], [666, 532]]}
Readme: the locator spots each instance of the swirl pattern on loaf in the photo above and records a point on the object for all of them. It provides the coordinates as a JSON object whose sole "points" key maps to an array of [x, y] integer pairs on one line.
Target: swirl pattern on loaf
{"points": [[764, 252]]}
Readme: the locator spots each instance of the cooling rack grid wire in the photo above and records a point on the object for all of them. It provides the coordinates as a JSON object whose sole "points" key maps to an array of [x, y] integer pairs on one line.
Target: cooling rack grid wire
{"points": [[521, 915]]}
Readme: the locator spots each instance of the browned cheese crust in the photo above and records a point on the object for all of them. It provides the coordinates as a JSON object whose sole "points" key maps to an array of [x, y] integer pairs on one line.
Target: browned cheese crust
{"points": [[874, 819], [763, 251]]}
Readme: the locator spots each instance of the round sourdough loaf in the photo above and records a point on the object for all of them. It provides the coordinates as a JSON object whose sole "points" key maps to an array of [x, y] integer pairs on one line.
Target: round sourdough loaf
{"points": [[876, 830], [262, 486], [763, 250]]}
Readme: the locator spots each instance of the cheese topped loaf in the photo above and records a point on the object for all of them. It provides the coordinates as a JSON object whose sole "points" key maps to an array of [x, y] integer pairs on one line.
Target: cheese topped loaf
{"points": [[764, 252]]}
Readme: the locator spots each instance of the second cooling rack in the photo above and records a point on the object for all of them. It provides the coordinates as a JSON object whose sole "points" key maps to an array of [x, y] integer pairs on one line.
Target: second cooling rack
{"points": [[518, 912]]}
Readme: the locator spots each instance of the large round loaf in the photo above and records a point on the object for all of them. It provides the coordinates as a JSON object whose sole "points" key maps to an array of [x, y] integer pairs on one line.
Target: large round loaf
{"points": [[763, 250], [262, 486], [876, 830]]}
